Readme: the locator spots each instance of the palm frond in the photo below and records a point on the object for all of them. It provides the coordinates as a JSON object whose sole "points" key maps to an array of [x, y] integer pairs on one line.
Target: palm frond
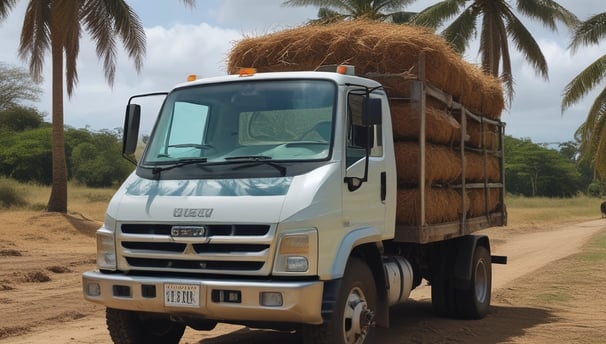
{"points": [[332, 4], [460, 32], [106, 20], [507, 73], [5, 7], [129, 28], [327, 16], [435, 15], [189, 3], [589, 32], [584, 82], [99, 24], [401, 17], [547, 12], [592, 136], [35, 36], [527, 45], [390, 5]]}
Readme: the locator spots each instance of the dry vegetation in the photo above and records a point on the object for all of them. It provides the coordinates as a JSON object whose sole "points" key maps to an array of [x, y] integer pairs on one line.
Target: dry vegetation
{"points": [[542, 211]]}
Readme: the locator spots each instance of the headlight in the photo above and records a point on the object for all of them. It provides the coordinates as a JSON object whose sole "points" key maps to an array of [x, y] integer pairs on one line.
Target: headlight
{"points": [[297, 253], [106, 250]]}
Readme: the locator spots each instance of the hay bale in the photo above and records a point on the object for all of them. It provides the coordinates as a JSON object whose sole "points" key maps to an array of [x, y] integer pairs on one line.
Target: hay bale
{"points": [[441, 205], [442, 164], [482, 135], [483, 203], [440, 127], [479, 169], [395, 85], [493, 102], [373, 47]]}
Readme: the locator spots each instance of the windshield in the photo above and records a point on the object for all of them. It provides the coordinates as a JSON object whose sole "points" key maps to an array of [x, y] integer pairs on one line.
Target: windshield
{"points": [[278, 120]]}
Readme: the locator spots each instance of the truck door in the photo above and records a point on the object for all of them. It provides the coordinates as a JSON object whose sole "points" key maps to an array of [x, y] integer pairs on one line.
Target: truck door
{"points": [[365, 206]]}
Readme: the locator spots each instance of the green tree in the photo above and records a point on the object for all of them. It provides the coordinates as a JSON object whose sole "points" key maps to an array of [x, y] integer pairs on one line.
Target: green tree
{"points": [[499, 25], [25, 156], [16, 86], [533, 170], [592, 133], [96, 161], [335, 10], [56, 26], [18, 118]]}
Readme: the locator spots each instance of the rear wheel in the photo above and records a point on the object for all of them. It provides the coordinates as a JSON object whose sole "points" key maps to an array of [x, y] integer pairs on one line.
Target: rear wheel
{"points": [[128, 327], [352, 320], [473, 300]]}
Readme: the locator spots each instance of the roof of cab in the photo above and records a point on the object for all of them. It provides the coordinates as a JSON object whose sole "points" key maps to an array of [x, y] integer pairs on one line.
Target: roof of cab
{"points": [[338, 78]]}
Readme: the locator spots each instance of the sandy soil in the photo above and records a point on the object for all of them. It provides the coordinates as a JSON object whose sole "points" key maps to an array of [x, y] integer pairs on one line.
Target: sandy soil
{"points": [[536, 297]]}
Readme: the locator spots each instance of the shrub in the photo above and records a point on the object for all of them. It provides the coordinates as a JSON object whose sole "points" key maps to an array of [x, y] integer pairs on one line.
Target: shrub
{"points": [[10, 197]]}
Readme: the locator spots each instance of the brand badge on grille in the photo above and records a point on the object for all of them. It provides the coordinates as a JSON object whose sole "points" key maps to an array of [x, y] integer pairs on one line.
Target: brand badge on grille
{"points": [[192, 212], [188, 231]]}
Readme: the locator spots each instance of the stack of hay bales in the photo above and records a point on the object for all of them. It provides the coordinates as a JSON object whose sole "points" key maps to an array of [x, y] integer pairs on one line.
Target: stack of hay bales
{"points": [[389, 54]]}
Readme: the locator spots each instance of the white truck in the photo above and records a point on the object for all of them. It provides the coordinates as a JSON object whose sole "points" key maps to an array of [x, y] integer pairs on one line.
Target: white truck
{"points": [[270, 200]]}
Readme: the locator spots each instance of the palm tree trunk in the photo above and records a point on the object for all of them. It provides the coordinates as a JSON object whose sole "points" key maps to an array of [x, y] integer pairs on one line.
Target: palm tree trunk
{"points": [[58, 197]]}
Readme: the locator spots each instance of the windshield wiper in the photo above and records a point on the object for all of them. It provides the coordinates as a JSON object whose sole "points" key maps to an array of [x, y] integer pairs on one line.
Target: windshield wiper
{"points": [[179, 163], [257, 160]]}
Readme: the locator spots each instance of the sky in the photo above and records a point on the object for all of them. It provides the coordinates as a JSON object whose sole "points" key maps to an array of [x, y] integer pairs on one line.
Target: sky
{"points": [[183, 41]]}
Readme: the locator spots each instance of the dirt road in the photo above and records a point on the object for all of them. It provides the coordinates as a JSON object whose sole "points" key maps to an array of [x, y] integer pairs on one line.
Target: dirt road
{"points": [[43, 255]]}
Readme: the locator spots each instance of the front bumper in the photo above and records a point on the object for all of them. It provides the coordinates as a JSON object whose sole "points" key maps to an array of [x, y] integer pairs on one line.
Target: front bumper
{"points": [[302, 300]]}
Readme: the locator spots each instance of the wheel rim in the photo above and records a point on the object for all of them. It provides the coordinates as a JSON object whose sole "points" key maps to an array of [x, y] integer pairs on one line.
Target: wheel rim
{"points": [[357, 317], [481, 278]]}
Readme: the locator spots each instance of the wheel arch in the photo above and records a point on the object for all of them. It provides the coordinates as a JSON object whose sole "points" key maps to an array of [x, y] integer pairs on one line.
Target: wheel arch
{"points": [[370, 254], [465, 250]]}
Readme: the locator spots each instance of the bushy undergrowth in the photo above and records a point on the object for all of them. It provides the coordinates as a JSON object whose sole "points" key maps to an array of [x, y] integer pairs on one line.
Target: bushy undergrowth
{"points": [[10, 196]]}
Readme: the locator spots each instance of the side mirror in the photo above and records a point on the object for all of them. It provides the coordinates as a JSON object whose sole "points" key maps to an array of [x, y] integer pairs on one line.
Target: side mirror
{"points": [[131, 128], [362, 136], [371, 111]]}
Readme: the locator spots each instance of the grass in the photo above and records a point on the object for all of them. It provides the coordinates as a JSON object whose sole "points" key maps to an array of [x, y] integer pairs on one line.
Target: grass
{"points": [[88, 202], [543, 210]]}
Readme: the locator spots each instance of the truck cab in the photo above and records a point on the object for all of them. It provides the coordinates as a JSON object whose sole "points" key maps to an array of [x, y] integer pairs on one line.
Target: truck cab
{"points": [[250, 195]]}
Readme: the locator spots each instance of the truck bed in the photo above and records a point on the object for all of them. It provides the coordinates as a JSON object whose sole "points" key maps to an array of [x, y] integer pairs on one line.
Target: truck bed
{"points": [[478, 203]]}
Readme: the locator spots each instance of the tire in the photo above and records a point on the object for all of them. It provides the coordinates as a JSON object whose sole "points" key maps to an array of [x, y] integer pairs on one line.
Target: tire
{"points": [[473, 300], [352, 320], [128, 327]]}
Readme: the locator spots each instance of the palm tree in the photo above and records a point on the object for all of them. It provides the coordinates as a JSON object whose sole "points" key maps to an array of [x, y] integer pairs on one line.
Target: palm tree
{"points": [[592, 133], [499, 25], [334, 10], [56, 26]]}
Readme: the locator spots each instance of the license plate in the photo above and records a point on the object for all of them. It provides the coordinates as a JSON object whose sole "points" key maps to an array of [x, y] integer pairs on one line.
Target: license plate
{"points": [[181, 295]]}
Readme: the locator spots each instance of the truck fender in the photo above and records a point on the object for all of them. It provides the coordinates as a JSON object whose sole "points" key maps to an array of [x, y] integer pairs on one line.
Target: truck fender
{"points": [[366, 243], [350, 241], [465, 250]]}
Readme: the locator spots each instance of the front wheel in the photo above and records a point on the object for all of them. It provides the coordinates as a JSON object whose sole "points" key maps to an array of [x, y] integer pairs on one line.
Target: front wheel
{"points": [[128, 327], [352, 320]]}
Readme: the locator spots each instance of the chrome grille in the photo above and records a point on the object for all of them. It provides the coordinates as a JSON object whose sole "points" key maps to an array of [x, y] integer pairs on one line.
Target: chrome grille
{"points": [[243, 248]]}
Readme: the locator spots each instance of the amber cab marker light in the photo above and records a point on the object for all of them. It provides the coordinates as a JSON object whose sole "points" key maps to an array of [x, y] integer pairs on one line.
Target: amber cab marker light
{"points": [[192, 77], [248, 71], [346, 69]]}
